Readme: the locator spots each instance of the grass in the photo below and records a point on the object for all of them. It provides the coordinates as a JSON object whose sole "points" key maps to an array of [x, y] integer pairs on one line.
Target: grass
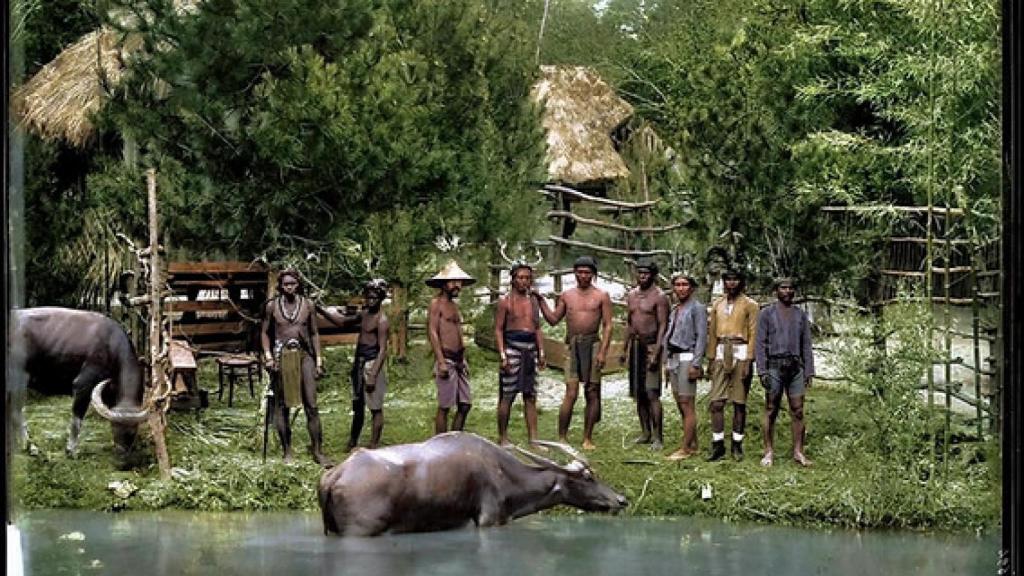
{"points": [[218, 465]]}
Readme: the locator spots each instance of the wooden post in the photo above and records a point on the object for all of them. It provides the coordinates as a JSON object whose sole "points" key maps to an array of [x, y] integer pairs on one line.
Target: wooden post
{"points": [[399, 320], [157, 416]]}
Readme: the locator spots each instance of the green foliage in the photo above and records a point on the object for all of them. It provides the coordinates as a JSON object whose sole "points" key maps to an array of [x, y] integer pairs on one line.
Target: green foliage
{"points": [[354, 132]]}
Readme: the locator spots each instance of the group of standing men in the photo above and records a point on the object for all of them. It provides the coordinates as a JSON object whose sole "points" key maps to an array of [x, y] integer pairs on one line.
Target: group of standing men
{"points": [[292, 354], [733, 337]]}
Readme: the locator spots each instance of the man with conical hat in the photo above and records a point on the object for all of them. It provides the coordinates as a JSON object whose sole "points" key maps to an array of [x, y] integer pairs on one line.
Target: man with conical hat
{"points": [[646, 320], [444, 327], [785, 362], [730, 352], [587, 310], [291, 348]]}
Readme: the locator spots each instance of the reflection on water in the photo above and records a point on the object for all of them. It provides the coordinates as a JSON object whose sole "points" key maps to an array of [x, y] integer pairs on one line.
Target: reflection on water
{"points": [[149, 544]]}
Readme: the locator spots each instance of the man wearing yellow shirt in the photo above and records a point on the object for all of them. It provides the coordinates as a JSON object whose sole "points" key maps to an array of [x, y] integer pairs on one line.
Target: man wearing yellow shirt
{"points": [[730, 350]]}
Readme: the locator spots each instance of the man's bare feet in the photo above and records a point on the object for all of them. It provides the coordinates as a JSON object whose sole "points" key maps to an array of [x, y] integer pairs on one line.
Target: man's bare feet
{"points": [[563, 439], [801, 459], [768, 459], [588, 445], [642, 439], [681, 454], [505, 443]]}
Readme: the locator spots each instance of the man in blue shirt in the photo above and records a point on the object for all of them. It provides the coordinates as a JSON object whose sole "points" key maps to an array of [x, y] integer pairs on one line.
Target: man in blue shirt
{"points": [[785, 361], [685, 339]]}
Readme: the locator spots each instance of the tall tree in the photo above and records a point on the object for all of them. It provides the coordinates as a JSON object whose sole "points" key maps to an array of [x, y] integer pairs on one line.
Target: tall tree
{"points": [[286, 127]]}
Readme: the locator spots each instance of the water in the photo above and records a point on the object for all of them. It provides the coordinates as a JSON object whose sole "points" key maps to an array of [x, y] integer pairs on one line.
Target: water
{"points": [[184, 543]]}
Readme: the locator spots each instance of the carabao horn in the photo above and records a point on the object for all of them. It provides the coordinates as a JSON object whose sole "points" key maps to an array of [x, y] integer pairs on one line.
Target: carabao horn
{"points": [[117, 416]]}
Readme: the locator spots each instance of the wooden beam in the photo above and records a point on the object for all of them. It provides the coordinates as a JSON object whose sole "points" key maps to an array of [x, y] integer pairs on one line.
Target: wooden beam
{"points": [[595, 247], [222, 284], [233, 329], [553, 214], [554, 188], [199, 306], [214, 268], [339, 339]]}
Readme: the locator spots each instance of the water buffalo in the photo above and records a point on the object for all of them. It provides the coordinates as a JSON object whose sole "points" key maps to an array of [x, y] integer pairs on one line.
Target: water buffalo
{"points": [[448, 481], [84, 354]]}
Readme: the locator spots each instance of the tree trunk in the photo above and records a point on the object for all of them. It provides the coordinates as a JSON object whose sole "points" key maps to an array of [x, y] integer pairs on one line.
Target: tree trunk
{"points": [[157, 415], [399, 321]]}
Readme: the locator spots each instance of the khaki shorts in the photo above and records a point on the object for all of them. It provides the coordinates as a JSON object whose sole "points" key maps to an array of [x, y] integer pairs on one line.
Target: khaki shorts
{"points": [[732, 386], [680, 380]]}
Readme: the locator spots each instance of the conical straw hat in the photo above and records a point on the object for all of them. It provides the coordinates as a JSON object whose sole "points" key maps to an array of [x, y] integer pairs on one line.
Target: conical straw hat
{"points": [[451, 271]]}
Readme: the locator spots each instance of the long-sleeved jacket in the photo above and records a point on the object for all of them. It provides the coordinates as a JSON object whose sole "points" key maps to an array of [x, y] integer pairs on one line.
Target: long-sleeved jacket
{"points": [[688, 329], [783, 337], [740, 322]]}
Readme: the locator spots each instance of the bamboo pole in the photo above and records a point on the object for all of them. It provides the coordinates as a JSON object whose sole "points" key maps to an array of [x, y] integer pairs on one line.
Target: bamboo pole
{"points": [[157, 415], [595, 247], [930, 209], [552, 214], [929, 261], [571, 193], [948, 339], [975, 329]]}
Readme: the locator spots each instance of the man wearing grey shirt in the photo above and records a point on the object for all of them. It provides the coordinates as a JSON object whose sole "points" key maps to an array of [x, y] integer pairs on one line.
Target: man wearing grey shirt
{"points": [[685, 340], [785, 361]]}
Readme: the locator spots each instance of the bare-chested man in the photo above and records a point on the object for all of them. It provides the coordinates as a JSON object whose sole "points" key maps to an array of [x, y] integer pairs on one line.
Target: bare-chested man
{"points": [[521, 348], [586, 309], [291, 348], [646, 319], [369, 378], [444, 326]]}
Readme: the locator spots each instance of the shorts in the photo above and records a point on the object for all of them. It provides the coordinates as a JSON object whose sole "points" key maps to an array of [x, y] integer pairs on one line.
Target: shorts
{"points": [[731, 386]]}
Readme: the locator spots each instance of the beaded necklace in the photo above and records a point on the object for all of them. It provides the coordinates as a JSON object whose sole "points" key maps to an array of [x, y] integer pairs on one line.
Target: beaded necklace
{"points": [[291, 318]]}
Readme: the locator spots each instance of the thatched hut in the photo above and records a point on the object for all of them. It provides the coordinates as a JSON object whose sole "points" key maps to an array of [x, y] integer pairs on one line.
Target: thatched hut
{"points": [[59, 102], [581, 112]]}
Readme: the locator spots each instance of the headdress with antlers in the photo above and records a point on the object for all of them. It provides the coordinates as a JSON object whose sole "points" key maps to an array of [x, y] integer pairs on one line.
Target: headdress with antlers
{"points": [[520, 262]]}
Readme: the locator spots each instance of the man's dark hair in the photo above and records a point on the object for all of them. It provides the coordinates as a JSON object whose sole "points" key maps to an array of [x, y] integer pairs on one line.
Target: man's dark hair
{"points": [[294, 274], [647, 264], [586, 262]]}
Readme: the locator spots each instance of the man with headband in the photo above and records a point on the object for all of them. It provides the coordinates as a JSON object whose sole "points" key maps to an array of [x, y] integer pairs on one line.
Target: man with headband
{"points": [[785, 362], [368, 376], [587, 309], [730, 352], [521, 348], [685, 340], [646, 319]]}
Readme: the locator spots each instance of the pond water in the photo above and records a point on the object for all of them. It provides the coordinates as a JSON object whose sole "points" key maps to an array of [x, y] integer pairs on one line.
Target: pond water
{"points": [[183, 543]]}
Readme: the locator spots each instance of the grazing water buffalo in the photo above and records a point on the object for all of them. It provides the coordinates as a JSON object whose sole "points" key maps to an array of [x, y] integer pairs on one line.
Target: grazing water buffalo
{"points": [[448, 481], [86, 355]]}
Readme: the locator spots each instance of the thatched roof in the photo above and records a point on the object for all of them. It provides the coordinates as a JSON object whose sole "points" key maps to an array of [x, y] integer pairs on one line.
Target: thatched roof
{"points": [[60, 100], [58, 103], [580, 113]]}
